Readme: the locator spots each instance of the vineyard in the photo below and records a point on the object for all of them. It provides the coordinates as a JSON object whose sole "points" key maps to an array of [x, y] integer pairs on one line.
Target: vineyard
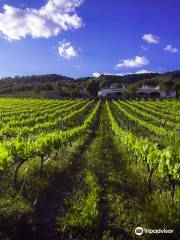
{"points": [[89, 169]]}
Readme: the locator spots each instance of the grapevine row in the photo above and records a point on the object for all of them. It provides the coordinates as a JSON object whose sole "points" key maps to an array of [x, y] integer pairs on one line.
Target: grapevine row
{"points": [[164, 161]]}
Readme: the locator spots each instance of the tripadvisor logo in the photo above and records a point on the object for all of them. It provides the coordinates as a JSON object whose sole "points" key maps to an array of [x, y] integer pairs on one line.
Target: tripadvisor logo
{"points": [[139, 231]]}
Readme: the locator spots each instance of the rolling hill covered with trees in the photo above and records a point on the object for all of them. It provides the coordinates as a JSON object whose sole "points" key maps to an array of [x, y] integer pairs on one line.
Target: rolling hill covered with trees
{"points": [[62, 86]]}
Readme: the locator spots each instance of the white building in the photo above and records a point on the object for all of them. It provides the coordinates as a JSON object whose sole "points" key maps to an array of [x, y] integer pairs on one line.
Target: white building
{"points": [[171, 94], [144, 91], [148, 91], [105, 92]]}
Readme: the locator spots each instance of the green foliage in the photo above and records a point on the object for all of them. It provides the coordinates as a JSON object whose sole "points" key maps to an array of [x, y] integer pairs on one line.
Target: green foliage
{"points": [[92, 87], [96, 160], [132, 90], [83, 207], [164, 160], [14, 213]]}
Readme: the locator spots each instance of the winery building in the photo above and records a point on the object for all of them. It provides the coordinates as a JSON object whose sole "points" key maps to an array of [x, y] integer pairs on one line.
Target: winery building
{"points": [[145, 92]]}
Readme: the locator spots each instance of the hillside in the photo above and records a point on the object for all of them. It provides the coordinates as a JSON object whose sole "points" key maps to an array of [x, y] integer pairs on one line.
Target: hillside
{"points": [[38, 85]]}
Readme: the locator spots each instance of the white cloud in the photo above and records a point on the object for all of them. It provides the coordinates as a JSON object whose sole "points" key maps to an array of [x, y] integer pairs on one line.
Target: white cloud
{"points": [[137, 72], [49, 20], [133, 63], [109, 74], [151, 38], [143, 71], [66, 50], [171, 49], [96, 74], [114, 74], [122, 73]]}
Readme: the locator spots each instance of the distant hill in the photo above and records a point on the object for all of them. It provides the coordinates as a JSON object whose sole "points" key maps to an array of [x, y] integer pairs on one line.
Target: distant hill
{"points": [[36, 79], [106, 80], [161, 79], [131, 80], [27, 86]]}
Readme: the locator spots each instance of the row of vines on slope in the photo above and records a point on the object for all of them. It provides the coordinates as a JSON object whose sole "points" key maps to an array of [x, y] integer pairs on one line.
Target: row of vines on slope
{"points": [[165, 161]]}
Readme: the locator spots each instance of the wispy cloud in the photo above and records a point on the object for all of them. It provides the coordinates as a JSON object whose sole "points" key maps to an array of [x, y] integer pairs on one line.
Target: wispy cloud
{"points": [[144, 48], [123, 73], [66, 50], [77, 66], [150, 38], [143, 71], [133, 62], [49, 20], [171, 49], [97, 74]]}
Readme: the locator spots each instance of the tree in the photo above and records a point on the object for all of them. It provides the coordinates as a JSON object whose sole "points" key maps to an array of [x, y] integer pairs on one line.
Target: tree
{"points": [[48, 87], [93, 88], [37, 88], [58, 87], [167, 86], [132, 89]]}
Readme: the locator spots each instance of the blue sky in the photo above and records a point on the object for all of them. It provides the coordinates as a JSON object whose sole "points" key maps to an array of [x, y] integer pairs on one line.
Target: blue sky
{"points": [[91, 37]]}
